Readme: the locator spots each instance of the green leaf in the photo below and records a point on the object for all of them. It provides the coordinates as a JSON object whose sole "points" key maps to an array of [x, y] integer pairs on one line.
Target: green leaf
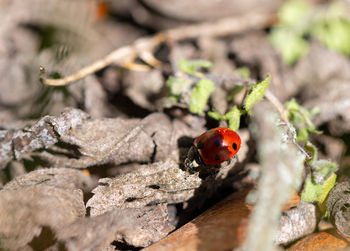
{"points": [[216, 116], [292, 105], [295, 13], [313, 192], [301, 118], [322, 169], [314, 131], [334, 33], [244, 72], [256, 94], [178, 85], [234, 117], [313, 150], [315, 110], [200, 95], [302, 134], [318, 185], [290, 43], [191, 67]]}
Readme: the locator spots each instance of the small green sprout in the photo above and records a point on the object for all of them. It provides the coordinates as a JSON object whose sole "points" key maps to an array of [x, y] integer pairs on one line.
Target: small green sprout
{"points": [[256, 94], [200, 95]]}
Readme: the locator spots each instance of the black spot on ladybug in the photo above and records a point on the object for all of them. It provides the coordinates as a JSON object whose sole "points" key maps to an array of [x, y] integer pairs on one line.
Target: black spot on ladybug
{"points": [[217, 142], [234, 146], [200, 145], [217, 157]]}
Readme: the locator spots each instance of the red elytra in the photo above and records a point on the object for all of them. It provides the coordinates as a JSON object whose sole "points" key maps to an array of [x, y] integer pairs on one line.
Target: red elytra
{"points": [[217, 145]]}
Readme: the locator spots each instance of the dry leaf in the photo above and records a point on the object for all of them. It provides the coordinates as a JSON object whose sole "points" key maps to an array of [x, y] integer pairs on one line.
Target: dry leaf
{"points": [[297, 222], [151, 184], [221, 227], [338, 206], [328, 240], [15, 144], [326, 86], [25, 210], [188, 11], [116, 141], [135, 227], [144, 87], [63, 178], [255, 50]]}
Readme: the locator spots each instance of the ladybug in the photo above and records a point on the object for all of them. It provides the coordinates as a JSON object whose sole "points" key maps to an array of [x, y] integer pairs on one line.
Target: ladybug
{"points": [[213, 147]]}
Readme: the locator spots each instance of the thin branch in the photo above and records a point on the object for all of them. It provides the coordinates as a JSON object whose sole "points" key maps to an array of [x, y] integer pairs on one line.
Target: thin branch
{"points": [[144, 47], [278, 105], [284, 116]]}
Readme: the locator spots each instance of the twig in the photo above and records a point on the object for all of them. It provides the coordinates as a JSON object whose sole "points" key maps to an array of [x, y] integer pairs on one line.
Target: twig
{"points": [[281, 170], [278, 105], [144, 47], [284, 116]]}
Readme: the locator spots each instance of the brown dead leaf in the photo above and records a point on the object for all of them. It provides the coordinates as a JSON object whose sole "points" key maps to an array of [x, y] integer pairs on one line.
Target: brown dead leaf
{"points": [[297, 222], [162, 182], [312, 72], [116, 141], [143, 87], [329, 240], [216, 51], [15, 144], [63, 178], [326, 85], [338, 206], [221, 227], [83, 142], [151, 184], [135, 227], [95, 99], [184, 10], [24, 212], [334, 103], [254, 49]]}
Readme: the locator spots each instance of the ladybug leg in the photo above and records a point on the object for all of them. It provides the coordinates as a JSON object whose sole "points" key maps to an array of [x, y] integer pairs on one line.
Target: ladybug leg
{"points": [[192, 157], [230, 160], [189, 159], [189, 165]]}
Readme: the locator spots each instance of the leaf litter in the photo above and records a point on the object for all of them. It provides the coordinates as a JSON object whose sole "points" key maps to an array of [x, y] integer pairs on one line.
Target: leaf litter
{"points": [[103, 173]]}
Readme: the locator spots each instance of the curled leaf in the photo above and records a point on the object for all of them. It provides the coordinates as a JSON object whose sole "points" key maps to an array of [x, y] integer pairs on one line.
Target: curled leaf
{"points": [[338, 206], [117, 141], [297, 222], [313, 150]]}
